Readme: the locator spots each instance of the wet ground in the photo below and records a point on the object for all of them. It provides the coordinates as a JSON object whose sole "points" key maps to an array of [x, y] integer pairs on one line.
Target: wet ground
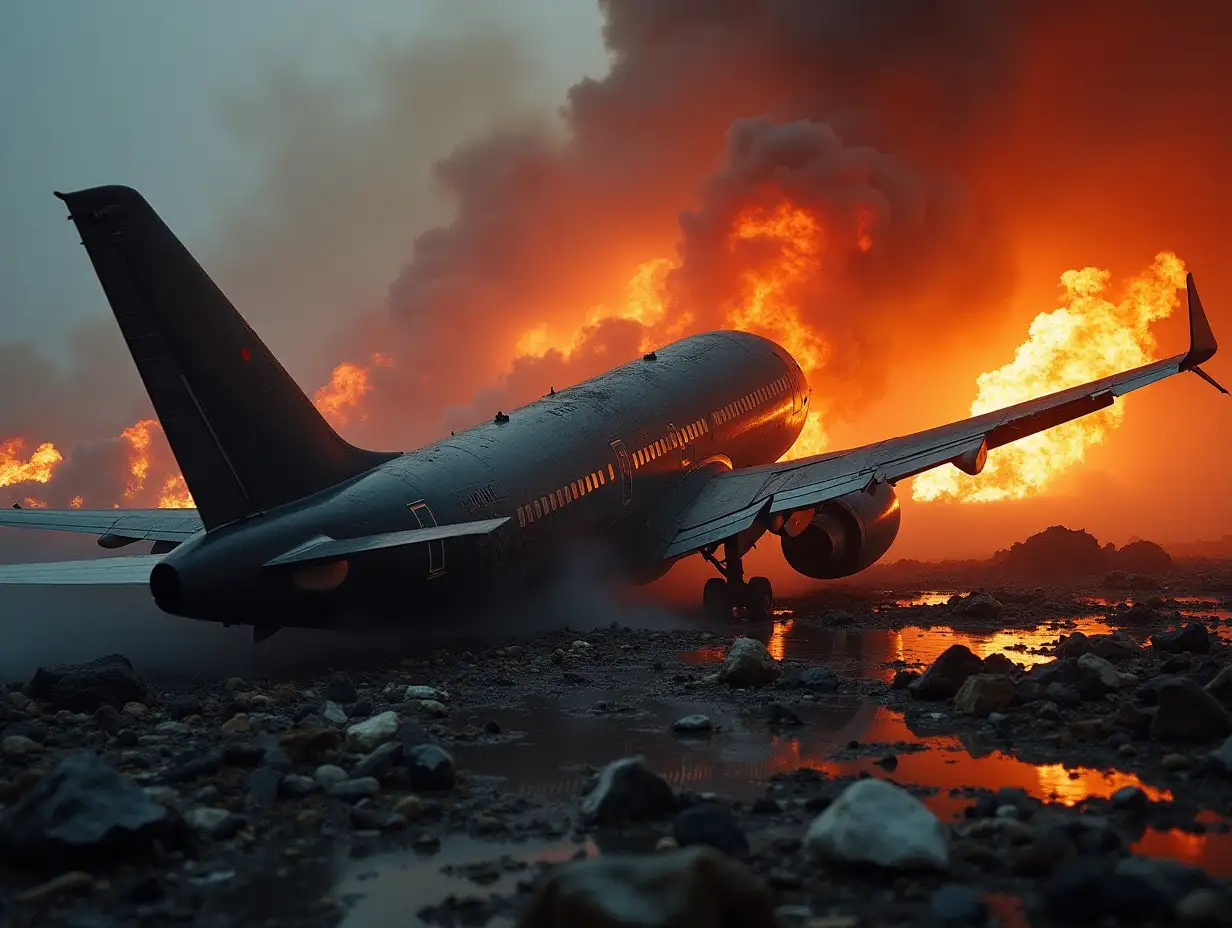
{"points": [[529, 724]]}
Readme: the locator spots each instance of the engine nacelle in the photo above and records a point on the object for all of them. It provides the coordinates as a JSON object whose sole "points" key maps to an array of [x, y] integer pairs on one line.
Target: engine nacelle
{"points": [[845, 535]]}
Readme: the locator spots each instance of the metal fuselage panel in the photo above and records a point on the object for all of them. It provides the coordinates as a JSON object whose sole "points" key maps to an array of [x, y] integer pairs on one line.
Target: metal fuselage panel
{"points": [[554, 467]]}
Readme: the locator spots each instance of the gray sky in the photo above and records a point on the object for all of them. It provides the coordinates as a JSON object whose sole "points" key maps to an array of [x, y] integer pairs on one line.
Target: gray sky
{"points": [[134, 93]]}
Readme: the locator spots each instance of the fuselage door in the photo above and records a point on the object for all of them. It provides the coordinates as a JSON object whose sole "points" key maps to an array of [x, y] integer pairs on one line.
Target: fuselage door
{"points": [[626, 471], [436, 549]]}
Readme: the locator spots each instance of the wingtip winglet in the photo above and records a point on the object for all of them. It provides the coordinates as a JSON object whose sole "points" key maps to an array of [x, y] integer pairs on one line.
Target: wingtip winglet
{"points": [[1202, 344]]}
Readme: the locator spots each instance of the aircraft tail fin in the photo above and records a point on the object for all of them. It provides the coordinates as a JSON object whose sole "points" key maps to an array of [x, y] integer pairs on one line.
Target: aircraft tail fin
{"points": [[245, 436], [1202, 344]]}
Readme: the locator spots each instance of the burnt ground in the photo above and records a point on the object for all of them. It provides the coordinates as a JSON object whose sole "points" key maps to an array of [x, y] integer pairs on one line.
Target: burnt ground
{"points": [[1076, 774]]}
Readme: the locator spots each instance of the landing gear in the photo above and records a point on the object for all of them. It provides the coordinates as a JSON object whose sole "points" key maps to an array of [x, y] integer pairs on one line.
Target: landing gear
{"points": [[730, 594]]}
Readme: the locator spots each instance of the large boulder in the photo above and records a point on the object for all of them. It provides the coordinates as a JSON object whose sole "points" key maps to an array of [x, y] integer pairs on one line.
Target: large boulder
{"points": [[370, 734], [984, 693], [748, 663], [947, 674], [1142, 557], [430, 767], [84, 812], [109, 680], [1192, 639], [1188, 713], [875, 822], [981, 606], [694, 887], [712, 824], [628, 791]]}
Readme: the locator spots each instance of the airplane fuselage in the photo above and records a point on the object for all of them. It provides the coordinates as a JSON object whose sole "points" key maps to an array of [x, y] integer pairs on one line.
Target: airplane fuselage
{"points": [[596, 461]]}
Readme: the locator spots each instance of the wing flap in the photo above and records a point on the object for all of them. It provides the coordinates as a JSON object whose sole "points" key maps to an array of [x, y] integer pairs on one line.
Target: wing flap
{"points": [[324, 547], [137, 524], [103, 571]]}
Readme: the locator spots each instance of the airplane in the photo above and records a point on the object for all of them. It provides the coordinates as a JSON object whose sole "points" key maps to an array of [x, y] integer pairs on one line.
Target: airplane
{"points": [[673, 454]]}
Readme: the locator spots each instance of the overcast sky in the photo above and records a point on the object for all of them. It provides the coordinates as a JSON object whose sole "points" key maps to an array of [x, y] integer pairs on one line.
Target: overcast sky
{"points": [[133, 93]]}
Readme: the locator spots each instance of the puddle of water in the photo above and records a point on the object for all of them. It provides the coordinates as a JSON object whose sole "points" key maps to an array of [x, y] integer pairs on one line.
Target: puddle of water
{"points": [[876, 653], [929, 598]]}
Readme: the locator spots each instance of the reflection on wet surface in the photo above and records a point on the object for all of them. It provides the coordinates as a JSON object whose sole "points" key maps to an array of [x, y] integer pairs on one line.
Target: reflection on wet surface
{"points": [[878, 653], [929, 598]]}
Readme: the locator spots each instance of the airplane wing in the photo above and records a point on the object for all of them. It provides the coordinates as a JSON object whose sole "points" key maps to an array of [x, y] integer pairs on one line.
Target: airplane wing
{"points": [[102, 571], [122, 525], [732, 502], [323, 547]]}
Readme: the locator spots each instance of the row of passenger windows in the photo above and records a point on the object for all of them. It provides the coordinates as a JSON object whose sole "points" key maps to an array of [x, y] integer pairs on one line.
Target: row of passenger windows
{"points": [[677, 439], [558, 499], [751, 401]]}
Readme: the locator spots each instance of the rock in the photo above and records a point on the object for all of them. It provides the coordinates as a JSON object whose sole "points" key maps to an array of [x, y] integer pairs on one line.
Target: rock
{"points": [[238, 724], [334, 713], [981, 606], [779, 716], [1221, 686], [1088, 890], [1222, 756], [1205, 907], [171, 728], [297, 786], [358, 709], [693, 723], [107, 717], [341, 689], [947, 674], [711, 824], [430, 767], [309, 745], [1138, 614], [109, 680], [263, 785], [1074, 645], [1115, 647], [329, 775], [414, 692], [179, 709], [903, 679], [1000, 663], [411, 808], [433, 707], [627, 791], [818, 680], [1174, 762], [957, 904], [84, 811], [411, 733], [218, 824], [1192, 639], [370, 734], [1188, 713], [748, 663], [875, 822], [983, 693], [694, 887], [1097, 667], [1130, 798], [380, 763], [353, 790], [15, 746], [74, 881]]}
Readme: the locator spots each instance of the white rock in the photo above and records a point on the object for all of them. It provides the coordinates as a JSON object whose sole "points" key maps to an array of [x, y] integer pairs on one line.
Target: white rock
{"points": [[419, 691], [748, 663], [875, 822], [334, 713], [205, 820], [1101, 669], [330, 775], [693, 723], [372, 733], [433, 708], [581, 645]]}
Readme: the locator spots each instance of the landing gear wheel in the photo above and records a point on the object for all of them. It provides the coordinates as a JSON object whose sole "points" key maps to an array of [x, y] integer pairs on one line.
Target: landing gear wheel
{"points": [[759, 595], [716, 600]]}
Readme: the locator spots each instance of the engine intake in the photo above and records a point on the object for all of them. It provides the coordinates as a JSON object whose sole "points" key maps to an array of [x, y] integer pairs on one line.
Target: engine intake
{"points": [[846, 535]]}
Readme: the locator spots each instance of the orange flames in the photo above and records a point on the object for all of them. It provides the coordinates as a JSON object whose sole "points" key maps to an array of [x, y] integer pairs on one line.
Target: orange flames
{"points": [[1087, 338], [38, 468], [348, 384]]}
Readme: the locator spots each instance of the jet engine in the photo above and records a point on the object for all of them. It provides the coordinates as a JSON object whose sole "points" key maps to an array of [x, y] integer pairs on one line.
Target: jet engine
{"points": [[844, 535]]}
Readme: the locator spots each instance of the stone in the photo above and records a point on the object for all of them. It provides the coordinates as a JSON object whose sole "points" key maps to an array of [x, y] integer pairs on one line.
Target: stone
{"points": [[1192, 639], [309, 745], [1222, 756], [74, 881], [878, 823], [218, 824], [983, 693], [1221, 686], [818, 680], [958, 904], [981, 606], [84, 811], [1204, 907], [1074, 645], [693, 887], [1115, 647], [341, 689], [412, 808], [329, 775], [411, 733], [1130, 798], [433, 707], [263, 787], [711, 824], [1100, 669], [334, 713], [628, 791], [748, 663], [358, 709], [693, 723], [296, 786], [171, 728], [372, 733], [1000, 663], [15, 746], [1188, 713], [429, 767], [238, 724], [415, 691], [184, 706], [353, 790], [947, 674], [107, 717], [109, 680], [779, 716], [380, 763]]}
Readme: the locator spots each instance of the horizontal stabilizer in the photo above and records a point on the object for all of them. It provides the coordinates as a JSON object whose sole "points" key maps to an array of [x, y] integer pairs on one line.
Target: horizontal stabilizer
{"points": [[134, 524], [103, 571], [324, 547]]}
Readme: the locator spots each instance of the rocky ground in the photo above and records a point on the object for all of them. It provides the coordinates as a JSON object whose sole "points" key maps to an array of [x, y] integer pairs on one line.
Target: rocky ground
{"points": [[237, 802]]}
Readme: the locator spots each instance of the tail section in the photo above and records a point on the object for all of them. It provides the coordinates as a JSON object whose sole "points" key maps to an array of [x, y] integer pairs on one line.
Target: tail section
{"points": [[246, 437]]}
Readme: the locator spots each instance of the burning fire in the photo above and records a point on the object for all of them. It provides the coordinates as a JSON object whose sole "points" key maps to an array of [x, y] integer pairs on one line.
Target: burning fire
{"points": [[1087, 338], [348, 384], [38, 468]]}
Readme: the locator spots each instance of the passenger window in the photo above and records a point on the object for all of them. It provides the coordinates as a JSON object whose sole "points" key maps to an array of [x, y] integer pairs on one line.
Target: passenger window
{"points": [[599, 474], [538, 511], [521, 517], [551, 504], [611, 472], [589, 485], [560, 497]]}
